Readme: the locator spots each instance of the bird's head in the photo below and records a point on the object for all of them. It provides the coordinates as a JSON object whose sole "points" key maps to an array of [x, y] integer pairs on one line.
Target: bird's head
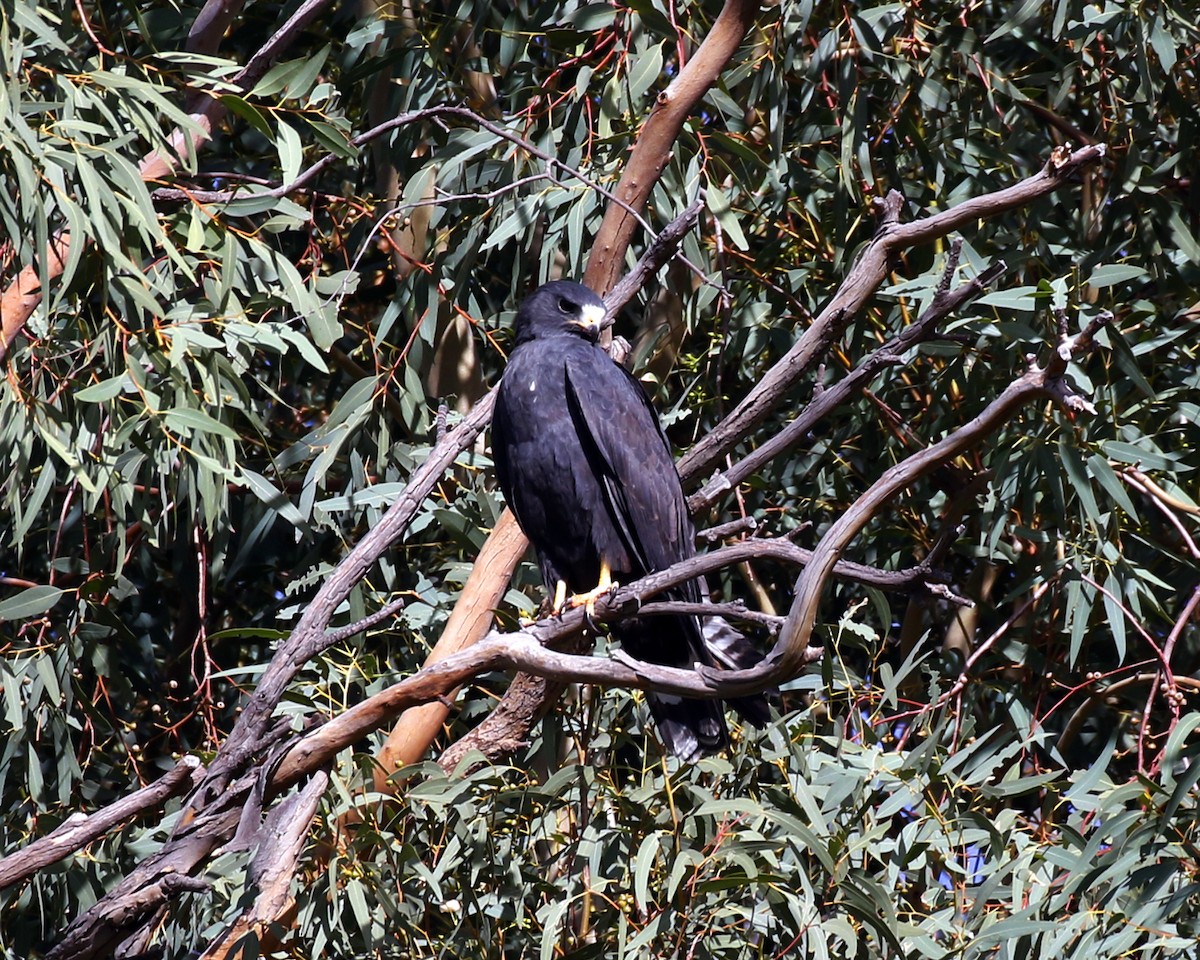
{"points": [[559, 308]]}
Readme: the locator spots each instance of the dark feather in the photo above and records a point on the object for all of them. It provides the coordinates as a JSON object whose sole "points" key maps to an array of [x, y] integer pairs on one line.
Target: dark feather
{"points": [[587, 470]]}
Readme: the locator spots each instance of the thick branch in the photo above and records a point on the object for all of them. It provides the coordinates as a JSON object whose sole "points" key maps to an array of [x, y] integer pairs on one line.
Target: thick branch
{"points": [[309, 637], [280, 842], [469, 619], [214, 809]]}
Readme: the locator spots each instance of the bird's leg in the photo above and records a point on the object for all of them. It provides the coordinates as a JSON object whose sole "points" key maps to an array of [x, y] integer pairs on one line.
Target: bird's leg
{"points": [[589, 599]]}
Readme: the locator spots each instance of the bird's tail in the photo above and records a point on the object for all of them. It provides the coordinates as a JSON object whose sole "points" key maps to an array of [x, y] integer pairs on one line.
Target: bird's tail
{"points": [[730, 648], [690, 728]]}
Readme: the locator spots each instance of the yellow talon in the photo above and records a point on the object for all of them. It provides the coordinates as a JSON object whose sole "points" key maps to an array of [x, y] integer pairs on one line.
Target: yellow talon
{"points": [[560, 597], [589, 599]]}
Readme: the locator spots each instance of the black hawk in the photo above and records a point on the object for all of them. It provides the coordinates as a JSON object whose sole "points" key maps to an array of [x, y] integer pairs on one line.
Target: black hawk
{"points": [[585, 466]]}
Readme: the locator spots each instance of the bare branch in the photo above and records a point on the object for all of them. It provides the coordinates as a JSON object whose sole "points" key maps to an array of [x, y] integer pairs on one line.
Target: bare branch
{"points": [[859, 285], [789, 653], [663, 247], [435, 681], [78, 830], [280, 842], [925, 328]]}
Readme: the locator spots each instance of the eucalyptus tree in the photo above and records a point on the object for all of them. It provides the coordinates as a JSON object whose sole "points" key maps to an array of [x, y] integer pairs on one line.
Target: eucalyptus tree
{"points": [[913, 288]]}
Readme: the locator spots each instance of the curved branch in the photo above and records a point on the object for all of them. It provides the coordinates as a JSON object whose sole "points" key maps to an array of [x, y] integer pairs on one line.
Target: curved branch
{"points": [[860, 284], [1047, 382]]}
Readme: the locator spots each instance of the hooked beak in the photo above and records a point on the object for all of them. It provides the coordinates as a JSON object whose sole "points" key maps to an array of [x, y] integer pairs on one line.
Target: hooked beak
{"points": [[592, 320]]}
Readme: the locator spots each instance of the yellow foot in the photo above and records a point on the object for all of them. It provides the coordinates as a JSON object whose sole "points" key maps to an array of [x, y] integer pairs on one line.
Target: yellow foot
{"points": [[560, 598], [588, 600]]}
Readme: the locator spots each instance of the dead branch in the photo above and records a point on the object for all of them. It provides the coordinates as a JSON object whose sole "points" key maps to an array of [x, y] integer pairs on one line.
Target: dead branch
{"points": [[944, 303], [863, 279], [661, 249], [1039, 382], [80, 829], [143, 893], [280, 841]]}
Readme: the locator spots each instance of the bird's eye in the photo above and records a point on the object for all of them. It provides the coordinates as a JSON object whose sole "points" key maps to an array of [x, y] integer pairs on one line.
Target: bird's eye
{"points": [[565, 305]]}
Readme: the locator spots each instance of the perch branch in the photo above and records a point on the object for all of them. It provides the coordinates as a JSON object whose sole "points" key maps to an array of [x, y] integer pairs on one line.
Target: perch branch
{"points": [[439, 679]]}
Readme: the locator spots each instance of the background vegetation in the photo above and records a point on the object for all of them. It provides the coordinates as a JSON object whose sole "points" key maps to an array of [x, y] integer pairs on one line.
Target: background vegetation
{"points": [[230, 373]]}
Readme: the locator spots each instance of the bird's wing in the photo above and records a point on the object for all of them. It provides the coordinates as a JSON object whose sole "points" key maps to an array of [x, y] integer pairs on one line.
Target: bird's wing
{"points": [[629, 453], [501, 443]]}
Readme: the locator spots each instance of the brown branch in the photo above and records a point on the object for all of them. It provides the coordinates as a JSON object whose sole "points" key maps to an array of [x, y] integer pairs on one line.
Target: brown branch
{"points": [[657, 137], [208, 29], [280, 841], [80, 829], [417, 728], [23, 295]]}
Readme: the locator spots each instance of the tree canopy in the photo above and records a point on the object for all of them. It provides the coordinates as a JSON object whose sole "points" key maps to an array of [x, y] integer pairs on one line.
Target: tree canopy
{"points": [[913, 288]]}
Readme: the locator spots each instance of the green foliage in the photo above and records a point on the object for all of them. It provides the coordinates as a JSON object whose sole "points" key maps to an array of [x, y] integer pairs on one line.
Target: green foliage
{"points": [[225, 388], [797, 843]]}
